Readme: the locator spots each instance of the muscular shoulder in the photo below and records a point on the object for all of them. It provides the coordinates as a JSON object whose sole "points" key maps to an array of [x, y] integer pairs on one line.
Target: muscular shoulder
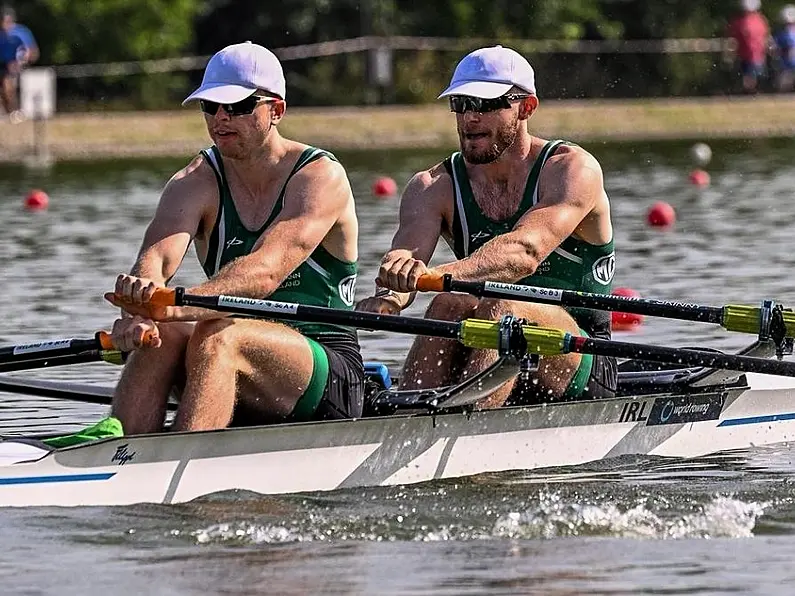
{"points": [[324, 178], [323, 170], [574, 157], [572, 165], [431, 187], [193, 183]]}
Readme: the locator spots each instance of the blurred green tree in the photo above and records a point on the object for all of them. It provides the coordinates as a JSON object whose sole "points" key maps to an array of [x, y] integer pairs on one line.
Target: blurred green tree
{"points": [[89, 31]]}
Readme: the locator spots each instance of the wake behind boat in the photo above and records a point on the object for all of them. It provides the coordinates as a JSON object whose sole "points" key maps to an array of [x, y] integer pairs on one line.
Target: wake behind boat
{"points": [[415, 436]]}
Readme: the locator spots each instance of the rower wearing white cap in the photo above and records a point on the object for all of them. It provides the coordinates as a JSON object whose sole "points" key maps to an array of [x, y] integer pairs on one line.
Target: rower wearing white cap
{"points": [[269, 217], [513, 207]]}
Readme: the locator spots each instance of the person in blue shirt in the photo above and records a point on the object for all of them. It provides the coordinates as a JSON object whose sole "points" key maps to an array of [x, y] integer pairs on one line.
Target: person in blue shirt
{"points": [[784, 39], [18, 48]]}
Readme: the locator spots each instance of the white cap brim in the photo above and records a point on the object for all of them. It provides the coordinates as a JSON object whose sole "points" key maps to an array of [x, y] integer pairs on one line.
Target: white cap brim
{"points": [[482, 89], [220, 93]]}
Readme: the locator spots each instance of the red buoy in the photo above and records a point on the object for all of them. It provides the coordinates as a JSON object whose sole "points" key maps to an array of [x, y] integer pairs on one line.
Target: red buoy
{"points": [[37, 200], [385, 187], [699, 178], [661, 215], [624, 321]]}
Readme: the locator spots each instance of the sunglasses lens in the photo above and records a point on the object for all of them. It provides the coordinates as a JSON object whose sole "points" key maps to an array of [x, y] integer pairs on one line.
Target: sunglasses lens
{"points": [[209, 107], [240, 108], [461, 103]]}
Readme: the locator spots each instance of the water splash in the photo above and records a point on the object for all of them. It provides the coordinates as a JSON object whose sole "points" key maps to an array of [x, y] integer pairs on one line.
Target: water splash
{"points": [[723, 516], [549, 516]]}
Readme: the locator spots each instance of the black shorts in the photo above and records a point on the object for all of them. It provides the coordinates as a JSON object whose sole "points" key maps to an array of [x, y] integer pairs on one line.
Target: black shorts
{"points": [[603, 380], [601, 384], [343, 396], [343, 391]]}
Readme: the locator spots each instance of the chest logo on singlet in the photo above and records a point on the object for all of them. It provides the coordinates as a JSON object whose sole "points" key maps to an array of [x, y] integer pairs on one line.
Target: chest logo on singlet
{"points": [[481, 234], [604, 268], [234, 241], [347, 289]]}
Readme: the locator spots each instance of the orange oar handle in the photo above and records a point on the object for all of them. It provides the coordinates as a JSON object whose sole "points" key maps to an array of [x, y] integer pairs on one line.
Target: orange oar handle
{"points": [[106, 341], [431, 282], [164, 297]]}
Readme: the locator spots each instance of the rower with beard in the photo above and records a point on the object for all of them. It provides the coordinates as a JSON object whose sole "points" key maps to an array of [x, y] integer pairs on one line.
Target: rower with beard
{"points": [[514, 208]]}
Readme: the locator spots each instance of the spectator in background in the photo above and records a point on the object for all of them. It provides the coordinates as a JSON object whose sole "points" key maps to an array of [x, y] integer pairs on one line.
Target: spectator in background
{"points": [[18, 48], [784, 39], [751, 33]]}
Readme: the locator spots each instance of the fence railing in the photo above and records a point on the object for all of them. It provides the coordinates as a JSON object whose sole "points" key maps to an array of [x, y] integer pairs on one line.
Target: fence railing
{"points": [[373, 43]]}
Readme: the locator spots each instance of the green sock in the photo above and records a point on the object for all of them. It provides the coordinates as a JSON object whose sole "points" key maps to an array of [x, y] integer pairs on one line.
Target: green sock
{"points": [[107, 427]]}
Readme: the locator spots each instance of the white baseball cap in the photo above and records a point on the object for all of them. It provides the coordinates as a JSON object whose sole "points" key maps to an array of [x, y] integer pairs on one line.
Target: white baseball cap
{"points": [[237, 71], [490, 72]]}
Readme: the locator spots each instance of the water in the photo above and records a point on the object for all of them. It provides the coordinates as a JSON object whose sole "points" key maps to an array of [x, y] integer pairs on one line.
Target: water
{"points": [[722, 524]]}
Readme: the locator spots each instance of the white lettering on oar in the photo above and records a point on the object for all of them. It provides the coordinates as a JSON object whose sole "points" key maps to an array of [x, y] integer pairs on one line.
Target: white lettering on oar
{"points": [[514, 289], [261, 305], [42, 346]]}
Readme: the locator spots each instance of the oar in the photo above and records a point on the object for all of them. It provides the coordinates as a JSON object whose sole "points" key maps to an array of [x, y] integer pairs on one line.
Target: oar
{"points": [[474, 333], [732, 317], [83, 392], [60, 352]]}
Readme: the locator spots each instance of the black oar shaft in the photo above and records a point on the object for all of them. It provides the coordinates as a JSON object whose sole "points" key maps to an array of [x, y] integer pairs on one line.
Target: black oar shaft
{"points": [[479, 334], [50, 349], [644, 306], [82, 392], [50, 361], [322, 314], [684, 356]]}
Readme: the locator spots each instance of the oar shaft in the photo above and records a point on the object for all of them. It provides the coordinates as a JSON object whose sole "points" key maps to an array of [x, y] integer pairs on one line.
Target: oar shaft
{"points": [[321, 314], [53, 349], [644, 306], [112, 356], [476, 333], [732, 317], [683, 356], [82, 392]]}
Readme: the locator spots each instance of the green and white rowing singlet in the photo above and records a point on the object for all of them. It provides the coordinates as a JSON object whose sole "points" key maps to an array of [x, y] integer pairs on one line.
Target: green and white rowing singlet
{"points": [[574, 265], [321, 280]]}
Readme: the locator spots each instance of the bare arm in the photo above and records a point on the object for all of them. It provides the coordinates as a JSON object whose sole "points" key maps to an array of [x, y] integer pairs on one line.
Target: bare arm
{"points": [[175, 223], [319, 195], [571, 185], [419, 228], [420, 217]]}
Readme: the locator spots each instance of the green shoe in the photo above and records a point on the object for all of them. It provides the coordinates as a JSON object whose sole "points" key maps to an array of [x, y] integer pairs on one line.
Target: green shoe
{"points": [[105, 428]]}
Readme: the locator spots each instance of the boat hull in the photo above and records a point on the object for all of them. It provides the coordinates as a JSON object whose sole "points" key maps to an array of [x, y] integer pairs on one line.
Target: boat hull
{"points": [[401, 449]]}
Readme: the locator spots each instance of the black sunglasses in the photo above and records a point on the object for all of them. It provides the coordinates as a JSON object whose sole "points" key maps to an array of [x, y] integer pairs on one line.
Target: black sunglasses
{"points": [[463, 103], [243, 107]]}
